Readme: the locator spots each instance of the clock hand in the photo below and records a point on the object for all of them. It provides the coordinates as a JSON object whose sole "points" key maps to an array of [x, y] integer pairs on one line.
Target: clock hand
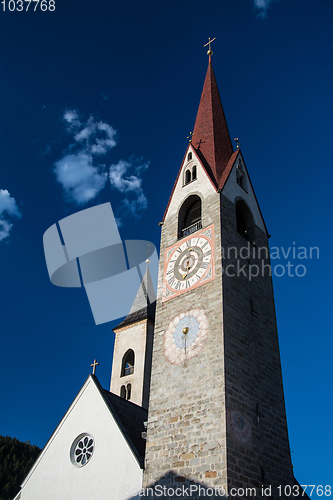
{"points": [[185, 332]]}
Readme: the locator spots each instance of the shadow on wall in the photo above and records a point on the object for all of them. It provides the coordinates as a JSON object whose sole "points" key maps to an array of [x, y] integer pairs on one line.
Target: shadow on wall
{"points": [[172, 486]]}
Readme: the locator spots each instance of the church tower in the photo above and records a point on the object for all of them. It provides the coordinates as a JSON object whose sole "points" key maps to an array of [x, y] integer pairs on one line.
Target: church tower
{"points": [[216, 412], [132, 353]]}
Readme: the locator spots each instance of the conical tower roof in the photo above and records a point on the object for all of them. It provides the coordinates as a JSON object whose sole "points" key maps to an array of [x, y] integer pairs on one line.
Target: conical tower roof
{"points": [[144, 303], [211, 138]]}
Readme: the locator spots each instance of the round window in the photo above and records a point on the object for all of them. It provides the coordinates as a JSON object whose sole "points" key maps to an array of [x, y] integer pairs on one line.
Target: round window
{"points": [[82, 450]]}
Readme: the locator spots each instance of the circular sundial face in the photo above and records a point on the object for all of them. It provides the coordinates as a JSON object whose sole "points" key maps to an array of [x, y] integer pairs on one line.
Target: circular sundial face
{"points": [[240, 427], [185, 336]]}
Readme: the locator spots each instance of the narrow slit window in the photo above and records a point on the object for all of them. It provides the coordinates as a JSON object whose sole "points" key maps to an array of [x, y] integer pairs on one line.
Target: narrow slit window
{"points": [[244, 220]]}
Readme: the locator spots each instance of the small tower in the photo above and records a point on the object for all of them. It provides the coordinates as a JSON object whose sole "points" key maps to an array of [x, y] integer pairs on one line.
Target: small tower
{"points": [[131, 367]]}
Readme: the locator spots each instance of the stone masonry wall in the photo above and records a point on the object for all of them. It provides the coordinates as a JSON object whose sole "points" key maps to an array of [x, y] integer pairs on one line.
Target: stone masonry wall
{"points": [[189, 435], [186, 423], [252, 363]]}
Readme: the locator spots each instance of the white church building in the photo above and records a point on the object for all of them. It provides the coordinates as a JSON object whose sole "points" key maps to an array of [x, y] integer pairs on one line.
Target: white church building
{"points": [[97, 450]]}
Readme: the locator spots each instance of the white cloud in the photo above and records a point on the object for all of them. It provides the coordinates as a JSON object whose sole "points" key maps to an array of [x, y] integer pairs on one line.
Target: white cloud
{"points": [[5, 228], [80, 179], [8, 204], [263, 5], [8, 208], [71, 117], [130, 184], [79, 175], [98, 137]]}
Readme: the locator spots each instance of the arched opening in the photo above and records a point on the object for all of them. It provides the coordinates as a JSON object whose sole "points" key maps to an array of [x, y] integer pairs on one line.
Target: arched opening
{"points": [[127, 367], [123, 392], [128, 391], [194, 172], [189, 157], [245, 221], [240, 176], [187, 176], [240, 179], [189, 218]]}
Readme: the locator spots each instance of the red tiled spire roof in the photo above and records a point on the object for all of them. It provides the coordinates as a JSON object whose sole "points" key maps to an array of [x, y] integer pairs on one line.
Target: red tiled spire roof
{"points": [[211, 136]]}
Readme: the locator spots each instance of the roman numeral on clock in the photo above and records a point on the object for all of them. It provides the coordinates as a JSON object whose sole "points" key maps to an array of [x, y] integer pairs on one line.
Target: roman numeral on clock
{"points": [[207, 254], [188, 243], [204, 265], [177, 287], [172, 281]]}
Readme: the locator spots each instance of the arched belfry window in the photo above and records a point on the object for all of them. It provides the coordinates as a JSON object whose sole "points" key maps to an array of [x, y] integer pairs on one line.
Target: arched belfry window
{"points": [[125, 392], [189, 218], [127, 366], [245, 221], [190, 175], [189, 157]]}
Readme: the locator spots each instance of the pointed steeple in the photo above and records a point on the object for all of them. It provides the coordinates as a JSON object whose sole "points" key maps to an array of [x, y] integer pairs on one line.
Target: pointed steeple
{"points": [[144, 303], [211, 136]]}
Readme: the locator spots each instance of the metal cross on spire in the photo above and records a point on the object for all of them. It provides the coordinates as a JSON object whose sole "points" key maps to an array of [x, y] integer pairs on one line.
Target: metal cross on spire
{"points": [[190, 136], [95, 363], [209, 51], [238, 143]]}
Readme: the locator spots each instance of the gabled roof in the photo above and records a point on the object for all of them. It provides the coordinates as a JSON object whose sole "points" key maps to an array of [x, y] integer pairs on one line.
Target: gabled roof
{"points": [[175, 184], [130, 419], [228, 168], [211, 138], [128, 416], [144, 304]]}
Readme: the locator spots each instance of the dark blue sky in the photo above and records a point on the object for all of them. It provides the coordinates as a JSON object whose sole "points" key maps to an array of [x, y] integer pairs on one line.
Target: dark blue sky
{"points": [[139, 67]]}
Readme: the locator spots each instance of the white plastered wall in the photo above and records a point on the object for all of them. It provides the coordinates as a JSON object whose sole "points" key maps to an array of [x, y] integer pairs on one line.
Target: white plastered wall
{"points": [[201, 185], [132, 337], [112, 468]]}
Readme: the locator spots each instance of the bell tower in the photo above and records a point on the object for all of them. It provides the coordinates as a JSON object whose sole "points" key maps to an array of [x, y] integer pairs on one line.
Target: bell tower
{"points": [[216, 411], [131, 367]]}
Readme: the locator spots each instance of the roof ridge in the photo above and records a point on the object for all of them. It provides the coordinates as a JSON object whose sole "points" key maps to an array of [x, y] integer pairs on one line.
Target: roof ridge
{"points": [[211, 134], [144, 304]]}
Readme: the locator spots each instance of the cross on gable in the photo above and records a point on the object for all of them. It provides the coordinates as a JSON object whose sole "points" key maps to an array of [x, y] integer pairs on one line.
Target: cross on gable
{"points": [[93, 365]]}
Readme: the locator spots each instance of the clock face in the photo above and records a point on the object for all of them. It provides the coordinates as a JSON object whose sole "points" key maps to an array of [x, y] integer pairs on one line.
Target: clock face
{"points": [[185, 336], [189, 263], [240, 426]]}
